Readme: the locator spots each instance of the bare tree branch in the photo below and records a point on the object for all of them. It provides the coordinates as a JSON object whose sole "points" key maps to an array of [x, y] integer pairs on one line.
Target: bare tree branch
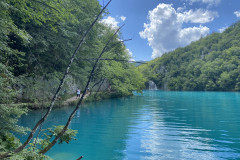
{"points": [[59, 87], [99, 88], [96, 84], [46, 149]]}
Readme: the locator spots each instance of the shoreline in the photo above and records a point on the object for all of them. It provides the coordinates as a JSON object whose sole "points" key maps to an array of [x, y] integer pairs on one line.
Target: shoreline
{"points": [[73, 100]]}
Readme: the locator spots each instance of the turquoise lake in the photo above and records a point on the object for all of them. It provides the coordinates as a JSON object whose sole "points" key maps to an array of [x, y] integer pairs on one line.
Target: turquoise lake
{"points": [[155, 125]]}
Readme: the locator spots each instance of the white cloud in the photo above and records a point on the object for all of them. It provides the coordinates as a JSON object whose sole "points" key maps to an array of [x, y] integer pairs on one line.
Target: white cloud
{"points": [[237, 13], [111, 22], [198, 16], [165, 30], [222, 29], [188, 35], [123, 18], [130, 54], [180, 9], [209, 2]]}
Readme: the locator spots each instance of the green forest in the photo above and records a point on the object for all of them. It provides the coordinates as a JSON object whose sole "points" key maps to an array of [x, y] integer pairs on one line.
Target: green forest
{"points": [[37, 40], [209, 64]]}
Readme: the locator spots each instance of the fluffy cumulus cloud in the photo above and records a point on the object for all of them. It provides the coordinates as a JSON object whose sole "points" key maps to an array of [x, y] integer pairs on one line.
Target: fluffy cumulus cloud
{"points": [[198, 16], [237, 13], [111, 22], [209, 2], [165, 31], [188, 35]]}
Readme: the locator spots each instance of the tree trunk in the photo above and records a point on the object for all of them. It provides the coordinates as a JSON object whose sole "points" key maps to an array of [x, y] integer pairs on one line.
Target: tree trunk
{"points": [[59, 87], [99, 88], [46, 149]]}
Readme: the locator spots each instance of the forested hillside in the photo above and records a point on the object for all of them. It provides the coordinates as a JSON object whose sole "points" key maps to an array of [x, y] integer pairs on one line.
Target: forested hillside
{"points": [[37, 39], [209, 64]]}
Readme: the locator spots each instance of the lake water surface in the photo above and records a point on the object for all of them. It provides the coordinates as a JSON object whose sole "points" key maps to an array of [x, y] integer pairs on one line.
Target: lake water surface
{"points": [[155, 125]]}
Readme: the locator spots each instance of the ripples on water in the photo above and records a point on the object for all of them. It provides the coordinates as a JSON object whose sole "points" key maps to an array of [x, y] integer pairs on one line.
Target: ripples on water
{"points": [[151, 126]]}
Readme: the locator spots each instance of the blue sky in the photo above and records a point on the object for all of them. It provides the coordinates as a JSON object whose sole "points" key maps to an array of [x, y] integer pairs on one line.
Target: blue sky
{"points": [[159, 26]]}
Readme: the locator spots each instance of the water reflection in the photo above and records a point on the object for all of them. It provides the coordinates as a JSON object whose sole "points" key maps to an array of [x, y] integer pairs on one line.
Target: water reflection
{"points": [[186, 126], [155, 125]]}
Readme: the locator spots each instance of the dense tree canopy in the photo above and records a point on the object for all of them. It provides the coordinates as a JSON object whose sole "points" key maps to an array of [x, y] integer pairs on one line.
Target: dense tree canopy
{"points": [[37, 39], [209, 64]]}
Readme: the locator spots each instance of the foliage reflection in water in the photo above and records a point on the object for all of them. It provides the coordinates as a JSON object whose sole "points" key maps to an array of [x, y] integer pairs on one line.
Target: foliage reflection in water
{"points": [[151, 126]]}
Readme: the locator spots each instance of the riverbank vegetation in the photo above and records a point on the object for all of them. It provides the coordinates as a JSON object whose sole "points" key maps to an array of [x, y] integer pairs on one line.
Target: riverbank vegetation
{"points": [[37, 39], [209, 64]]}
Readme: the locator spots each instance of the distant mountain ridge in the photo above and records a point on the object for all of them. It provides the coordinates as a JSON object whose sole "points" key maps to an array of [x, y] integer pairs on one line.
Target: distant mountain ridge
{"points": [[209, 64]]}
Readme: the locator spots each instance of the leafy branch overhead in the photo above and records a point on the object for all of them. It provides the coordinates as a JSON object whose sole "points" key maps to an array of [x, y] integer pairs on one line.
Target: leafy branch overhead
{"points": [[37, 50]]}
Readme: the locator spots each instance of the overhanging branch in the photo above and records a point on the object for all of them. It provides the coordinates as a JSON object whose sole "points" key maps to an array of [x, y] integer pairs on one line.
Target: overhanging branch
{"points": [[58, 90], [46, 149]]}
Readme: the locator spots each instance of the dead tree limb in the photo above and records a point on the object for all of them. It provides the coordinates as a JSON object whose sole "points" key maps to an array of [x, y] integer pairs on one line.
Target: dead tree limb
{"points": [[59, 87], [46, 149], [95, 96], [102, 79]]}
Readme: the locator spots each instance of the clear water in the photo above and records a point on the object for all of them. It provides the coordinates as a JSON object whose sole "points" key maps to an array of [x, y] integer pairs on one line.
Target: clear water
{"points": [[155, 125]]}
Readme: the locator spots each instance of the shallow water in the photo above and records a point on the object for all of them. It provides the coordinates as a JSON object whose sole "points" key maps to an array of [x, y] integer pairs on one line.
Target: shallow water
{"points": [[151, 126]]}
